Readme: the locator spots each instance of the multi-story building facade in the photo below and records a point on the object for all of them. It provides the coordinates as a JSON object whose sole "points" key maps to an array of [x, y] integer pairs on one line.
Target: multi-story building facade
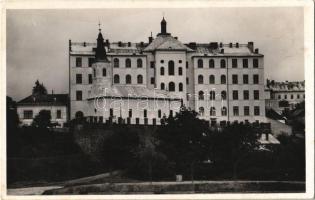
{"points": [[223, 82], [284, 95]]}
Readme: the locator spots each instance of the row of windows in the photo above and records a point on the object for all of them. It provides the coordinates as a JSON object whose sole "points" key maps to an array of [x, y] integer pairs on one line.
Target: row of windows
{"points": [[128, 79], [235, 111], [211, 63], [234, 79], [128, 63], [28, 114], [172, 87], [235, 96], [78, 62], [291, 96]]}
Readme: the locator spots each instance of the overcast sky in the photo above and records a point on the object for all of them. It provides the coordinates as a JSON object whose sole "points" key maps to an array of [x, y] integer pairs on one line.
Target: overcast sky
{"points": [[37, 40]]}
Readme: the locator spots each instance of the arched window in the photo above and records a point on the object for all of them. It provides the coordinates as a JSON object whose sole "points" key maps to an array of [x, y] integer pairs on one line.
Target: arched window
{"points": [[201, 95], [211, 79], [212, 95], [222, 63], [201, 111], [171, 87], [180, 87], [79, 115], [162, 71], [116, 62], [116, 78], [223, 111], [128, 63], [212, 111], [162, 86], [139, 79], [200, 63], [104, 71], [139, 63], [200, 79], [171, 70], [211, 63], [180, 71], [128, 79], [223, 79], [223, 95]]}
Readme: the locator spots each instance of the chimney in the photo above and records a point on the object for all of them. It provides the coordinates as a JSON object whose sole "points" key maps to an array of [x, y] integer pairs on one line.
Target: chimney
{"points": [[192, 45], [141, 44], [129, 44], [257, 51], [84, 44], [231, 45], [221, 45], [150, 39], [119, 43], [222, 51], [213, 45], [70, 45], [237, 45], [251, 46], [176, 38]]}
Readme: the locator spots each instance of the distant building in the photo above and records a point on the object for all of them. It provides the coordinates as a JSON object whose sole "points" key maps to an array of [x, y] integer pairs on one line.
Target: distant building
{"points": [[282, 95], [223, 82], [30, 106]]}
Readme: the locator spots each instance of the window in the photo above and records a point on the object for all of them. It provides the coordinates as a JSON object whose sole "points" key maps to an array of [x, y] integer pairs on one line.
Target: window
{"points": [[245, 63], [171, 70], [200, 63], [162, 86], [200, 79], [222, 63], [201, 111], [245, 94], [58, 114], [255, 79], [152, 80], [128, 63], [111, 112], [186, 65], [171, 87], [94, 72], [187, 80], [235, 95], [180, 87], [90, 79], [256, 110], [91, 61], [152, 64], [245, 78], [28, 114], [104, 72], [162, 71], [279, 96], [211, 63], [78, 62], [256, 94], [171, 112], [298, 96], [223, 111], [116, 62], [116, 78], [79, 78], [285, 96], [223, 95], [130, 113], [128, 79], [180, 61], [234, 79], [162, 61], [292, 96], [212, 111], [246, 110], [234, 63], [212, 95], [180, 71], [255, 63], [79, 95], [139, 79], [223, 79], [201, 95], [211, 79], [235, 111], [145, 113], [139, 63], [159, 113]]}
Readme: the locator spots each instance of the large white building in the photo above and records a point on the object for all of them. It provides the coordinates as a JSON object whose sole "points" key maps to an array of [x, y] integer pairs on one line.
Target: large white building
{"points": [[109, 80]]}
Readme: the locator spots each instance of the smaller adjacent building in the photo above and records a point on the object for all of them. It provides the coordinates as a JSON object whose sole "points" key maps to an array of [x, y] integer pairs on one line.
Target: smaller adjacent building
{"points": [[284, 95], [56, 104]]}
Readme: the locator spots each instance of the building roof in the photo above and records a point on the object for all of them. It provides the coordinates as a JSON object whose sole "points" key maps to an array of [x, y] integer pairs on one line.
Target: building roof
{"points": [[166, 42], [138, 92], [286, 86], [48, 99]]}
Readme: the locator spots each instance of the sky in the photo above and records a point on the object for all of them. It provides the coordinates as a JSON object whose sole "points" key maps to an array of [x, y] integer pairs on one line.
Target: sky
{"points": [[37, 40]]}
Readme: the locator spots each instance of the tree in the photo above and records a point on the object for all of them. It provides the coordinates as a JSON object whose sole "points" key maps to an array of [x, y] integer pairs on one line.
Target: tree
{"points": [[42, 120], [39, 89]]}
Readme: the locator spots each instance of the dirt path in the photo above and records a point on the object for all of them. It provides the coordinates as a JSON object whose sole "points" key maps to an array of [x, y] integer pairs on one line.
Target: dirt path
{"points": [[30, 190]]}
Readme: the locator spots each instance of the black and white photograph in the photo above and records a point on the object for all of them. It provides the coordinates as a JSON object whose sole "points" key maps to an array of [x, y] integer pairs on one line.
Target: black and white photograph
{"points": [[178, 100]]}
